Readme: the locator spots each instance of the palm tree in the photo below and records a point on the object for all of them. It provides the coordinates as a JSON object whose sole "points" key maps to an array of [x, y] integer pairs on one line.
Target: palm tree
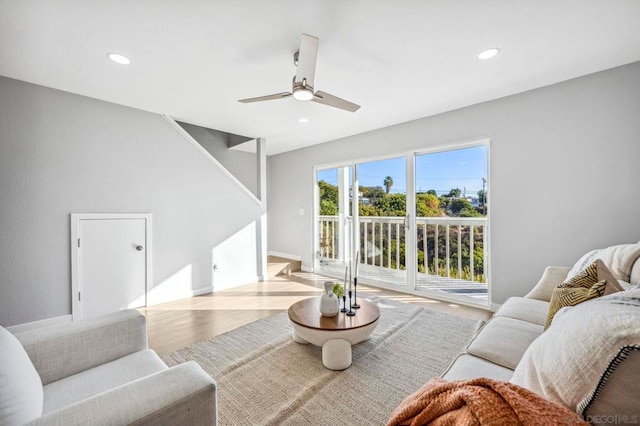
{"points": [[388, 183]]}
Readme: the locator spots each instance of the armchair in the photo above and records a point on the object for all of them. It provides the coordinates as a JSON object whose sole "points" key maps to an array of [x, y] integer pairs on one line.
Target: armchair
{"points": [[98, 371]]}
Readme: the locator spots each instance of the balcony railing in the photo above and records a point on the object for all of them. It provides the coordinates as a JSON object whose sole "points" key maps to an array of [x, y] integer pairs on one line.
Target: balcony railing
{"points": [[449, 247]]}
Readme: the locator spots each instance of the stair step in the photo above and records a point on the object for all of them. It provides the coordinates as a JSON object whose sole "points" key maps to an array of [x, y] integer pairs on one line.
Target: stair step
{"points": [[282, 266]]}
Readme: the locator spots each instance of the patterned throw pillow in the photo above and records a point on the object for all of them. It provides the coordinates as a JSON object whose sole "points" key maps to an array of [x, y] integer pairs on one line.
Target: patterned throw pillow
{"points": [[594, 281]]}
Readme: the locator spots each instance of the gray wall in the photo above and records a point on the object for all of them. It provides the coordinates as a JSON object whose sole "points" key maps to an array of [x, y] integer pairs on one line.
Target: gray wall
{"points": [[564, 173], [61, 153], [243, 165]]}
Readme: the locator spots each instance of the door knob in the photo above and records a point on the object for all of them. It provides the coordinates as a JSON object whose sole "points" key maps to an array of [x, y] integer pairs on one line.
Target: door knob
{"points": [[139, 248]]}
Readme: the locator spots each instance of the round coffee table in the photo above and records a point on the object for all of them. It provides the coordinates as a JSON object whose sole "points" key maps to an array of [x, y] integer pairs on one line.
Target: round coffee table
{"points": [[334, 334]]}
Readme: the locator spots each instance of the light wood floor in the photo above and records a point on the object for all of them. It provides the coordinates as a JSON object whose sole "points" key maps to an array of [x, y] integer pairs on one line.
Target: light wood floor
{"points": [[174, 325]]}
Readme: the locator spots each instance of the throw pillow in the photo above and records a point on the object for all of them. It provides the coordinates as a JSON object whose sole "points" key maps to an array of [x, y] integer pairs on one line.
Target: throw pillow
{"points": [[589, 360], [595, 281], [21, 393], [582, 263]]}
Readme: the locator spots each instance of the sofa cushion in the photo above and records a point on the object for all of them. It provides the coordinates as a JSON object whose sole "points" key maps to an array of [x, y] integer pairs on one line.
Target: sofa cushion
{"points": [[626, 285], [504, 340], [525, 309], [100, 379], [467, 366], [20, 385], [581, 361], [620, 259], [635, 273], [595, 281]]}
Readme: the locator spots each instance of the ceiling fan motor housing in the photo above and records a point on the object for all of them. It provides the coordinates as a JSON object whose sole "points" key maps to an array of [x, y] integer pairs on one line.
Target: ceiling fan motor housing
{"points": [[301, 91]]}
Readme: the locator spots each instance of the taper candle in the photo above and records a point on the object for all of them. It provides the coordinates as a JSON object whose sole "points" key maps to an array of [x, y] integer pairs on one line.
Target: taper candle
{"points": [[346, 271], [349, 277], [357, 263]]}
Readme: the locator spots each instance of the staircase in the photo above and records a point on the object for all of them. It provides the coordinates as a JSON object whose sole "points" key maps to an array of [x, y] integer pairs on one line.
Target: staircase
{"points": [[281, 266]]}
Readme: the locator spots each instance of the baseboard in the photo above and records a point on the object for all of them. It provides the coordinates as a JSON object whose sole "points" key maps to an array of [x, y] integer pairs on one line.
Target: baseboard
{"points": [[494, 307], [285, 255], [19, 328], [306, 268]]}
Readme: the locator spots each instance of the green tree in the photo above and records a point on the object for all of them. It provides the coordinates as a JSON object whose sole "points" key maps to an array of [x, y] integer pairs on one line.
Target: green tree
{"points": [[461, 207], [432, 192], [428, 205], [391, 205], [388, 183], [372, 192], [482, 197], [454, 193], [328, 191], [327, 208]]}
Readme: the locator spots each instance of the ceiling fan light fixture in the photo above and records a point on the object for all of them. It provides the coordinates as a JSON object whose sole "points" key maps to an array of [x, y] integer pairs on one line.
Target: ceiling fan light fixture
{"points": [[119, 59], [488, 53], [302, 94]]}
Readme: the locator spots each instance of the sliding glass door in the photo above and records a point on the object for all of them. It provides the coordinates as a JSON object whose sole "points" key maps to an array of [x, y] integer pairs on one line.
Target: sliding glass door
{"points": [[334, 224], [416, 223], [451, 223], [381, 220]]}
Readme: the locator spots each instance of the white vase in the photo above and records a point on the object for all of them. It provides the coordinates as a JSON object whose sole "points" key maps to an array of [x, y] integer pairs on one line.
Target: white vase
{"points": [[329, 304]]}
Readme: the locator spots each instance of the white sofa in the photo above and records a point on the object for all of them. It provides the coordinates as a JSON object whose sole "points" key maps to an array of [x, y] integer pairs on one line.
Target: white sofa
{"points": [[506, 343], [98, 371]]}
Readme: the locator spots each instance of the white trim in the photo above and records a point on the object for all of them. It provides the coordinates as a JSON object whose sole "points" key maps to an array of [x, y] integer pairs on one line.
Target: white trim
{"points": [[453, 146], [305, 268], [19, 328], [315, 212], [211, 158], [75, 218], [410, 230], [495, 306], [153, 300], [261, 222], [487, 230], [284, 255]]}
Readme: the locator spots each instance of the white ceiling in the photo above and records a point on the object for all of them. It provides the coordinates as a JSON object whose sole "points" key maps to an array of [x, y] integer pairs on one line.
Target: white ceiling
{"points": [[400, 60]]}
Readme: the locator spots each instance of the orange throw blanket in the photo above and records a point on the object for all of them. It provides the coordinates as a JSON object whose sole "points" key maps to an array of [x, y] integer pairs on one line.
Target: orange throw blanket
{"points": [[479, 401]]}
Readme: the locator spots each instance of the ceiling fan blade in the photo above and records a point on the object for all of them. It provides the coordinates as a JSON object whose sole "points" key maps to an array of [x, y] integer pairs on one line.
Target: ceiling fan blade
{"points": [[334, 101], [266, 98], [307, 56]]}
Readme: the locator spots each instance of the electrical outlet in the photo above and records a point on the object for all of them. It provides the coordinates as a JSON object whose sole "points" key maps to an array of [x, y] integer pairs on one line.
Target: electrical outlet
{"points": [[301, 212]]}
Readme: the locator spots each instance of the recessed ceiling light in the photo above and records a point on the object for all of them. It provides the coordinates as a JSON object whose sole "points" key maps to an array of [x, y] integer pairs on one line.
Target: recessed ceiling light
{"points": [[489, 53], [119, 59], [303, 120]]}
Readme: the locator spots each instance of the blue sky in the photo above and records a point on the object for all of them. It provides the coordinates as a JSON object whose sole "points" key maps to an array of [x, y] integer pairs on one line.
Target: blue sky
{"points": [[461, 168]]}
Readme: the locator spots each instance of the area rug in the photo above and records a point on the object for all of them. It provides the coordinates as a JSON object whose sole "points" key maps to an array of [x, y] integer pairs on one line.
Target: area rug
{"points": [[264, 378]]}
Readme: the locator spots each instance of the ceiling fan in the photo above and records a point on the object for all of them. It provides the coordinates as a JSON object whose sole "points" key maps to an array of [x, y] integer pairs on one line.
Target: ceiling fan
{"points": [[302, 90]]}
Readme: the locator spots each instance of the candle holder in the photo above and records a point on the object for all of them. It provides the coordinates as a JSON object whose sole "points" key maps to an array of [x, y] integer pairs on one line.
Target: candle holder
{"points": [[344, 303], [355, 294], [351, 311]]}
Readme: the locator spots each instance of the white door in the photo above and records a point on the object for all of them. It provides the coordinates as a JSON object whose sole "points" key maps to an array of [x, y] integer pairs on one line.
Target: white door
{"points": [[112, 263]]}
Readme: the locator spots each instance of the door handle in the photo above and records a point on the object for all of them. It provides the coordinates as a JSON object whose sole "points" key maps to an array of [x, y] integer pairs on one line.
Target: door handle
{"points": [[139, 248]]}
